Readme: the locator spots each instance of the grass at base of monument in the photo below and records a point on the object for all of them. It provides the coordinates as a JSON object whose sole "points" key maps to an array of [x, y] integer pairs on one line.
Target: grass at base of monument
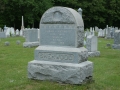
{"points": [[14, 60]]}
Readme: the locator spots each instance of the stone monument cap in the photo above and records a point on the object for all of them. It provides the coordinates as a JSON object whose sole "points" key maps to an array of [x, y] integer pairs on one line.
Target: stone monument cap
{"points": [[61, 26], [79, 9]]}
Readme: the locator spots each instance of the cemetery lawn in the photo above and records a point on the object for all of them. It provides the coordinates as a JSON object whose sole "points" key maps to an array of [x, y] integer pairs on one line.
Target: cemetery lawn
{"points": [[14, 60]]}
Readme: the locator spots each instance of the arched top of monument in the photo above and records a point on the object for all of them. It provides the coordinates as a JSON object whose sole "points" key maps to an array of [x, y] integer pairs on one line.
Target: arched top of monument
{"points": [[61, 15]]}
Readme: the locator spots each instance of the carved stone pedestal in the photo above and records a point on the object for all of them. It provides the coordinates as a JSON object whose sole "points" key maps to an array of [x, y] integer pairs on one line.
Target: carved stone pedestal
{"points": [[60, 72]]}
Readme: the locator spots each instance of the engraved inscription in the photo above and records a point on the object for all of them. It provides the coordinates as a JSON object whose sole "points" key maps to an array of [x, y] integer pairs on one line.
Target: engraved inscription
{"points": [[58, 35], [55, 56]]}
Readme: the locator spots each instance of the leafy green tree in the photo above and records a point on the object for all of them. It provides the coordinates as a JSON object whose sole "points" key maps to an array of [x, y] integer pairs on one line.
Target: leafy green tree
{"points": [[32, 11], [95, 12], [112, 11]]}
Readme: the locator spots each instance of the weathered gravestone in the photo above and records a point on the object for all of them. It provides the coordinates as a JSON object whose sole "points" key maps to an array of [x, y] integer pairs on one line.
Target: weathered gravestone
{"points": [[2, 35], [17, 32], [31, 38], [96, 29], [7, 32], [21, 32], [108, 35], [116, 44], [101, 33], [12, 32], [61, 56], [91, 45], [88, 33]]}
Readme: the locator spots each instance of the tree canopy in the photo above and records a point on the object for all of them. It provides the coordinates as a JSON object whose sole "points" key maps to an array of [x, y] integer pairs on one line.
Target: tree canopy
{"points": [[95, 12]]}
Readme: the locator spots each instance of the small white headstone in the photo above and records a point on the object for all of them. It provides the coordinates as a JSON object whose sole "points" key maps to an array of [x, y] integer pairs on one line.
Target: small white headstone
{"points": [[7, 32], [12, 31], [17, 32], [21, 32]]}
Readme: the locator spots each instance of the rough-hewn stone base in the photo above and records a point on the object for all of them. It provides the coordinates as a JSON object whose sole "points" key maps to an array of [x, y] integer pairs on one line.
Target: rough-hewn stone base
{"points": [[116, 46], [60, 72], [94, 54], [30, 44]]}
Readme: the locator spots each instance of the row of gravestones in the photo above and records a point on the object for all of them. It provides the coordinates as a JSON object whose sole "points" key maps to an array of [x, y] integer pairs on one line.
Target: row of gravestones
{"points": [[108, 32], [10, 32], [32, 39]]}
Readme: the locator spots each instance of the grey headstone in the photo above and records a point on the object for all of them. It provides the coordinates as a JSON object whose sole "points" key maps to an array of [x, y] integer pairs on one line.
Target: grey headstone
{"points": [[108, 35], [63, 29], [7, 32], [117, 37], [12, 31], [21, 32], [17, 32], [31, 35], [91, 45], [101, 33], [88, 33], [2, 35], [96, 29], [116, 44], [61, 56], [31, 38]]}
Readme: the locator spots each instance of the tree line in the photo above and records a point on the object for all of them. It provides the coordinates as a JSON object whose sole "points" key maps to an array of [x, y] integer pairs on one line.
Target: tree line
{"points": [[95, 12]]}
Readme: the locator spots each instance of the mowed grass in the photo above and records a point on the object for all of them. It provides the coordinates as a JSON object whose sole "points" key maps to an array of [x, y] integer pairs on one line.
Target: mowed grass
{"points": [[14, 60]]}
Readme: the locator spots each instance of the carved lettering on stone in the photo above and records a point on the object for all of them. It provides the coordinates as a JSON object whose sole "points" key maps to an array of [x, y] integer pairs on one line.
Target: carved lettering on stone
{"points": [[55, 56]]}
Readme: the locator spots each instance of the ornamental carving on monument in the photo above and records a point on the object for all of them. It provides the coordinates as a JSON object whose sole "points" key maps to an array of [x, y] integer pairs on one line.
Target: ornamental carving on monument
{"points": [[57, 15]]}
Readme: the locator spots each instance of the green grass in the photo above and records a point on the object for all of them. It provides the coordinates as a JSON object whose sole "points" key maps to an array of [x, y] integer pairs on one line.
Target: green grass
{"points": [[14, 60]]}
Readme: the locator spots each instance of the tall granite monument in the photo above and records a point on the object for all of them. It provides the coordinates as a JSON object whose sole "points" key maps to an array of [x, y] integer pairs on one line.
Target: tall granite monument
{"points": [[60, 55]]}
